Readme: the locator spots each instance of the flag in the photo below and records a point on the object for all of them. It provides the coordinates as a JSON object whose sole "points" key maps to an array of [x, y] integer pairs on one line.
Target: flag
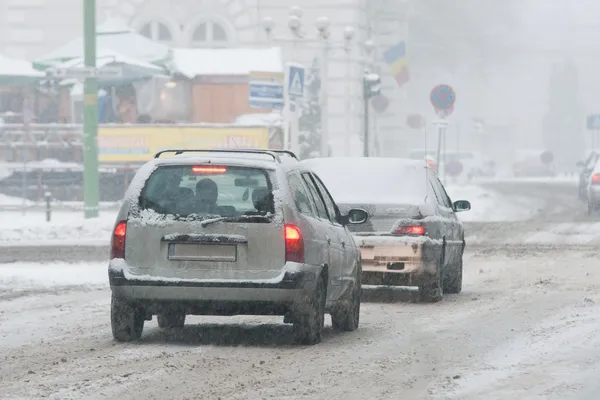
{"points": [[395, 57]]}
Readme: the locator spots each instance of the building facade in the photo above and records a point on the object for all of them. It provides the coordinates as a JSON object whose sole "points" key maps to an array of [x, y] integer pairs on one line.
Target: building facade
{"points": [[31, 28]]}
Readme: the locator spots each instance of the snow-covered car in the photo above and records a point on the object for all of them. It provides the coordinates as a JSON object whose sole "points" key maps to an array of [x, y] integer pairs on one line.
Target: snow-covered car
{"points": [[412, 236], [228, 232]]}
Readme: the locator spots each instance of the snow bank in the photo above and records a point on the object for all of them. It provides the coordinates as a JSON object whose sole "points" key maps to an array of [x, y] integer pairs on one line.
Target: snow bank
{"points": [[24, 277], [12, 201], [32, 227], [490, 206]]}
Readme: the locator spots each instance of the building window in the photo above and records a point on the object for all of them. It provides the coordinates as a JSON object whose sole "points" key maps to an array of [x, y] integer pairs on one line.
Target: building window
{"points": [[157, 31], [210, 34]]}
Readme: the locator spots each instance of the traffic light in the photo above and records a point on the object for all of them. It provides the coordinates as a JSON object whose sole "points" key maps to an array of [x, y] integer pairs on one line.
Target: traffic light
{"points": [[372, 85]]}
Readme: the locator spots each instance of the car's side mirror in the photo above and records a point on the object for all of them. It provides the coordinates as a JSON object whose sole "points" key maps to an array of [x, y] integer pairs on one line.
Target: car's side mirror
{"points": [[462, 205], [355, 216], [580, 164]]}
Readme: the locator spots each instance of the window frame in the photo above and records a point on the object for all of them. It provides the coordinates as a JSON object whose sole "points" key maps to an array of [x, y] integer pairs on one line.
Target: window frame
{"points": [[312, 189], [335, 219]]}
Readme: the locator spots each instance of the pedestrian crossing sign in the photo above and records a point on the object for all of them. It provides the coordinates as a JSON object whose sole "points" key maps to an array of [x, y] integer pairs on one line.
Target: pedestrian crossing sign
{"points": [[295, 77]]}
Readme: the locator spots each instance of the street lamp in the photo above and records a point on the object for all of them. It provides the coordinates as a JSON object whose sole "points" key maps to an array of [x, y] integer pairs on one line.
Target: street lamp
{"points": [[323, 26]]}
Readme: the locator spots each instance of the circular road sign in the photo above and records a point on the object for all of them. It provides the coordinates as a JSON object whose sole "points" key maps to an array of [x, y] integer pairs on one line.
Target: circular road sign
{"points": [[454, 168], [547, 157], [443, 97], [415, 121]]}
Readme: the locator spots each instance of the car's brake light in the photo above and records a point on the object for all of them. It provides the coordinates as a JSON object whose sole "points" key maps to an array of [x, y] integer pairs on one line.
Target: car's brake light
{"points": [[117, 246], [595, 179], [209, 169], [410, 230], [294, 244]]}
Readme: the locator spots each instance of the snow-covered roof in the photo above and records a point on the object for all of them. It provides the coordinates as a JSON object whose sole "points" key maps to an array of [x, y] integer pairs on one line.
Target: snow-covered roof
{"points": [[273, 118], [115, 35], [19, 68], [105, 57], [372, 180], [236, 61]]}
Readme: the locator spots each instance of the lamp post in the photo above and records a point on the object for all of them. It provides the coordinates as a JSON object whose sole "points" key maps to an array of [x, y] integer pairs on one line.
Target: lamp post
{"points": [[326, 45], [90, 121]]}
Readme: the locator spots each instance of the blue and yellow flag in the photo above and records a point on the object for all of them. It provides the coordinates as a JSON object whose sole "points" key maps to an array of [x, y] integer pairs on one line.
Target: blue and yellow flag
{"points": [[395, 57]]}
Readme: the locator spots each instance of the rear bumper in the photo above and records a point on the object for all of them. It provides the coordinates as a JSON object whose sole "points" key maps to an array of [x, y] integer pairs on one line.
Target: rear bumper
{"points": [[291, 288], [398, 261]]}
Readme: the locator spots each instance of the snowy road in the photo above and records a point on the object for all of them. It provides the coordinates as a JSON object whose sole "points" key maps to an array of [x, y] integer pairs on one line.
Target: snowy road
{"points": [[526, 325]]}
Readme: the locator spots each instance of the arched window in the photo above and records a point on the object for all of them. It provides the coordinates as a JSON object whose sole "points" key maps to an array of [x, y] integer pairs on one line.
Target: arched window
{"points": [[157, 31], [210, 34]]}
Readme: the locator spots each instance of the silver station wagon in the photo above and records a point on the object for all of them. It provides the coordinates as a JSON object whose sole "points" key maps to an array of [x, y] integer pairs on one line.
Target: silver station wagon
{"points": [[231, 232]]}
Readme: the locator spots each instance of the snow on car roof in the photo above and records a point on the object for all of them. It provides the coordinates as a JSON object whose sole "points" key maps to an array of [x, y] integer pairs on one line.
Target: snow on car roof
{"points": [[373, 180]]}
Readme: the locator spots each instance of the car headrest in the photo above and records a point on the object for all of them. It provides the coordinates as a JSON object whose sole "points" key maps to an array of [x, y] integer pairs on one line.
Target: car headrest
{"points": [[261, 199]]}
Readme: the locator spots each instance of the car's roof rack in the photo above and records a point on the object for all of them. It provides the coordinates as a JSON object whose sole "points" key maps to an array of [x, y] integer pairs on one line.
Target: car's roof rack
{"points": [[272, 153]]}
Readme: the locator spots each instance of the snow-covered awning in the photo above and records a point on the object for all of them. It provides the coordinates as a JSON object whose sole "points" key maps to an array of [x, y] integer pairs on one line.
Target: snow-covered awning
{"points": [[234, 61], [14, 71], [113, 34], [131, 68]]}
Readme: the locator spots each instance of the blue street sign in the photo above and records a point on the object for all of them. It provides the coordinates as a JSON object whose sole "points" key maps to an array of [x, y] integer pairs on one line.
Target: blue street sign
{"points": [[443, 97], [295, 81], [593, 122], [454, 168], [265, 95]]}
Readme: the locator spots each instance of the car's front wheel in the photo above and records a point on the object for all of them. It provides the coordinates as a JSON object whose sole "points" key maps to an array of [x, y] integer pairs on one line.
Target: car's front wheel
{"points": [[308, 326], [348, 317], [126, 320]]}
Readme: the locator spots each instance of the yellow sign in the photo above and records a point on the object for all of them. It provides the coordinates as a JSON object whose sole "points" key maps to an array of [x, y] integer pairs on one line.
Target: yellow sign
{"points": [[137, 144]]}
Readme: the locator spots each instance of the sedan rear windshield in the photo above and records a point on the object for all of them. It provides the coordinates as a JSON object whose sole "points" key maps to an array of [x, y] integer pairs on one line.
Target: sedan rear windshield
{"points": [[208, 191]]}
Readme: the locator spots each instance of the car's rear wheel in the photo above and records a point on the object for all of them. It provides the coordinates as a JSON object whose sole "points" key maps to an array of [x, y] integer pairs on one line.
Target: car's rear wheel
{"points": [[126, 320], [172, 319], [348, 317], [308, 326], [452, 281], [432, 288]]}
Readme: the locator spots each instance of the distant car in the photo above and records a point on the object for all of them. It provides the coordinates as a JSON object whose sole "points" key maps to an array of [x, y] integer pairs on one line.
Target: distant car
{"points": [[585, 170], [474, 164], [529, 164], [413, 236], [233, 232], [593, 190]]}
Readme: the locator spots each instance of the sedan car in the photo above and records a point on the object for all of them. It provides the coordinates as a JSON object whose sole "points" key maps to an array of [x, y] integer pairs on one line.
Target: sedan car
{"points": [[413, 236], [586, 168], [227, 232]]}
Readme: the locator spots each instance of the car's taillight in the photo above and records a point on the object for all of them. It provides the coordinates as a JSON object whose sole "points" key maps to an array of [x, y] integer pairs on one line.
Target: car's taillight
{"points": [[596, 179], [417, 230], [117, 246], [294, 244]]}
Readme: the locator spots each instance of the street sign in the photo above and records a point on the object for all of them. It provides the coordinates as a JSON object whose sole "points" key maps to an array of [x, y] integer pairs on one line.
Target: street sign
{"points": [[593, 122], [415, 121], [454, 168], [444, 113], [82, 73], [547, 157], [380, 103], [265, 90], [295, 81], [443, 97]]}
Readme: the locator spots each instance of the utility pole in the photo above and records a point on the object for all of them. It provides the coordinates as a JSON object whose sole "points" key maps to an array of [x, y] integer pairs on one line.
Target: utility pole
{"points": [[90, 115], [371, 88]]}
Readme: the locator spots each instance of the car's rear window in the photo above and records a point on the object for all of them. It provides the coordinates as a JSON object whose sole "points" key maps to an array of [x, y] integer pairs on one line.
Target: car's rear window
{"points": [[208, 191]]}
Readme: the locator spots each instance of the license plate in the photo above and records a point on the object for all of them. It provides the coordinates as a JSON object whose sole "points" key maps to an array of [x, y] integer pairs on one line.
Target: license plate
{"points": [[202, 252]]}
